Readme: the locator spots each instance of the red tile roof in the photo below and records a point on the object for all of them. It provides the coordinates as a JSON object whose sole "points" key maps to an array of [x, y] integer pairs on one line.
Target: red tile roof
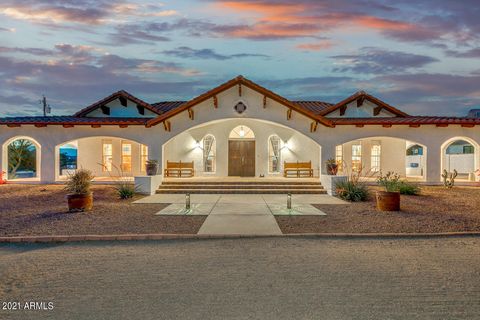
{"points": [[410, 120]]}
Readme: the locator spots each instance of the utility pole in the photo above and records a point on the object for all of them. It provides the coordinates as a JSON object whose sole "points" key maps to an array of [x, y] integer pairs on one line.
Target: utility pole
{"points": [[46, 107]]}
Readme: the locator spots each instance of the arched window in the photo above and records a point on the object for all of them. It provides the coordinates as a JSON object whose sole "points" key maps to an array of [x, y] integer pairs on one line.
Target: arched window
{"points": [[22, 159], [241, 132], [274, 154], [460, 147], [209, 151], [68, 155], [415, 150]]}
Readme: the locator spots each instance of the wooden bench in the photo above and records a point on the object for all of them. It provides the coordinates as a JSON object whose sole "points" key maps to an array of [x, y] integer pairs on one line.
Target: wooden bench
{"points": [[300, 169], [179, 169]]}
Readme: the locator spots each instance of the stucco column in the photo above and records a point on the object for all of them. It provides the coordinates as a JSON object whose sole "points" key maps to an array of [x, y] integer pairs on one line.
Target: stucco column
{"points": [[327, 152], [434, 159], [47, 164], [155, 153]]}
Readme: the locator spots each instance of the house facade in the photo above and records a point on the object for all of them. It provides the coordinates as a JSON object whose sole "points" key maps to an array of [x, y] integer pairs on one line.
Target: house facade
{"points": [[241, 129]]}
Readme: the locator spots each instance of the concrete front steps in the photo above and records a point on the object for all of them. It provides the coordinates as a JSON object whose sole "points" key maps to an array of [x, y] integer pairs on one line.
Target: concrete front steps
{"points": [[241, 187]]}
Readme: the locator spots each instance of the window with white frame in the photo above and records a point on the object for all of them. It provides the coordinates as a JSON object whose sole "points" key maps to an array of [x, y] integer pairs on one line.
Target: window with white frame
{"points": [[375, 157], [143, 157], [339, 156], [274, 154], [356, 157], [126, 163], [209, 151], [107, 155]]}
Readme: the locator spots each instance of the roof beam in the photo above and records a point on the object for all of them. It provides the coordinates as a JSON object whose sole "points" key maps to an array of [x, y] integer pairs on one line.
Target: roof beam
{"points": [[215, 102], [191, 114], [167, 125], [123, 101], [360, 101], [264, 102], [141, 109], [313, 126], [376, 110], [343, 109], [105, 110], [289, 114]]}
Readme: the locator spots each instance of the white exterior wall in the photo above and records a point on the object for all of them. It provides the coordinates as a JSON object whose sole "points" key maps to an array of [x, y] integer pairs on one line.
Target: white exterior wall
{"points": [[90, 151], [182, 147], [430, 136]]}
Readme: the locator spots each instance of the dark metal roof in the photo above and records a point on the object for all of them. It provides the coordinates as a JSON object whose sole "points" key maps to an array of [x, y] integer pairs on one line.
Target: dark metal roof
{"points": [[165, 106], [313, 106], [59, 120], [410, 120]]}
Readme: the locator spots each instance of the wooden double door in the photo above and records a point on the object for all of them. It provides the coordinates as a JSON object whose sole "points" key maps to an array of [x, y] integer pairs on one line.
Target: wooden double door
{"points": [[241, 158]]}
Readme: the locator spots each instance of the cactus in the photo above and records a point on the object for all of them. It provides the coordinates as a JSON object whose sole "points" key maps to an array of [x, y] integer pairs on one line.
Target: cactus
{"points": [[449, 178]]}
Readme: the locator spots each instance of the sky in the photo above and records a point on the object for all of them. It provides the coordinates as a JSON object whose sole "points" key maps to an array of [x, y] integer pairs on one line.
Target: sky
{"points": [[420, 56]]}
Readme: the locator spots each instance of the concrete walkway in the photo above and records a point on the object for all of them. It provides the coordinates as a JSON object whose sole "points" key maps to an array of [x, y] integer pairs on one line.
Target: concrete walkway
{"points": [[243, 214]]}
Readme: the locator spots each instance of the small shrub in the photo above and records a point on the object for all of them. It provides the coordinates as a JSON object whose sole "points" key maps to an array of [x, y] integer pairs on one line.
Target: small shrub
{"points": [[125, 190], [390, 181], [79, 182], [352, 191], [408, 188]]}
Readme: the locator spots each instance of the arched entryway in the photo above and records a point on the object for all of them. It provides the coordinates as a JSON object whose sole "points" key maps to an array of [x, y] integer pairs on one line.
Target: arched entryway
{"points": [[461, 154], [241, 152], [21, 159]]}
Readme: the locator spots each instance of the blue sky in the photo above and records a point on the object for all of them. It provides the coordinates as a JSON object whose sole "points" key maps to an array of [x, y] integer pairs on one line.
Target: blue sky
{"points": [[419, 57]]}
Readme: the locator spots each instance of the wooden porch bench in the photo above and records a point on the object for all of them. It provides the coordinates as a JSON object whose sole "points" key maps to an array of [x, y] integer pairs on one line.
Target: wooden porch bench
{"points": [[179, 169], [299, 169]]}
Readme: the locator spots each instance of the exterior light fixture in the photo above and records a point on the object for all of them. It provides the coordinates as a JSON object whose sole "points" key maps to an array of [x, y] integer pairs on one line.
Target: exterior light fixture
{"points": [[197, 144], [242, 132], [187, 201]]}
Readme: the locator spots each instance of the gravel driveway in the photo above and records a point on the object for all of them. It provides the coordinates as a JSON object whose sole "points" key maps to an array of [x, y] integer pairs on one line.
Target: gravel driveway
{"points": [[269, 278]]}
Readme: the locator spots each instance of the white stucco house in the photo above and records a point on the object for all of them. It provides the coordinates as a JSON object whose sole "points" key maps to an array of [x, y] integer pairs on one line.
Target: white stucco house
{"points": [[268, 130]]}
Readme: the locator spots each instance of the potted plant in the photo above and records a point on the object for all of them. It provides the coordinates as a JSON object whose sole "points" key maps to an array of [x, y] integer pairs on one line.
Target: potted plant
{"points": [[151, 167], [332, 167], [389, 200], [80, 197]]}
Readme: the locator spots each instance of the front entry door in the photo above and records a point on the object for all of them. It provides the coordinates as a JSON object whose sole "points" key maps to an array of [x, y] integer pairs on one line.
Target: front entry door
{"points": [[241, 158]]}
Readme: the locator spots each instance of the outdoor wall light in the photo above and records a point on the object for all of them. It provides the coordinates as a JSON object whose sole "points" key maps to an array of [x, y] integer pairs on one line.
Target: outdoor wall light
{"points": [[287, 145], [197, 144], [242, 132]]}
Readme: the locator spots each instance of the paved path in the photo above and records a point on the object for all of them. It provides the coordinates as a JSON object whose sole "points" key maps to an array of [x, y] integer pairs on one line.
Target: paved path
{"points": [[270, 278], [241, 213]]}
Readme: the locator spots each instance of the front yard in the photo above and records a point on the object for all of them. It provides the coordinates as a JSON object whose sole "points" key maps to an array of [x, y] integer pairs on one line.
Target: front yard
{"points": [[42, 210], [435, 210]]}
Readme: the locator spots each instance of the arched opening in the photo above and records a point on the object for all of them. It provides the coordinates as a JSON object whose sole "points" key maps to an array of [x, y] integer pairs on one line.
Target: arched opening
{"points": [[209, 153], [108, 158], [241, 152], [374, 155], [461, 154], [22, 156], [187, 146]]}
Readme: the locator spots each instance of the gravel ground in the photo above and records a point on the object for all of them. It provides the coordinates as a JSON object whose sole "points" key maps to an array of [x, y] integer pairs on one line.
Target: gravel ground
{"points": [[435, 210], [270, 278], [42, 210]]}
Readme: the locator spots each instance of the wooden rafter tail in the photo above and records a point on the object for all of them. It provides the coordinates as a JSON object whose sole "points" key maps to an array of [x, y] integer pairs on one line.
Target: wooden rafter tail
{"points": [[360, 101], [68, 125], [387, 125], [13, 125], [167, 125], [123, 126], [40, 125], [343, 109], [313, 126], [289, 114], [414, 125], [239, 89], [95, 126], [190, 114], [264, 102], [215, 102]]}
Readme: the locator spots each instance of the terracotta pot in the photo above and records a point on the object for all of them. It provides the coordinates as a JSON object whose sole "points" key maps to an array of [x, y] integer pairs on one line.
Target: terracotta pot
{"points": [[332, 169], [80, 202], [151, 168], [388, 201]]}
